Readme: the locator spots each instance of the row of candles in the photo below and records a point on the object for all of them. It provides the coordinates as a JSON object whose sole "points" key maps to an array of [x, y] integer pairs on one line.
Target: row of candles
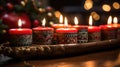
{"points": [[64, 33]]}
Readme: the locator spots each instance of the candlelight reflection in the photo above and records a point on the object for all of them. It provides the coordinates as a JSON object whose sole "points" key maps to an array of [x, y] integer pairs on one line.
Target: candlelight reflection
{"points": [[90, 64]]}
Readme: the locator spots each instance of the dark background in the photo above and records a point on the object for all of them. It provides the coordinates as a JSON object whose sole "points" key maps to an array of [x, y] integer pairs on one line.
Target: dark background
{"points": [[71, 8]]}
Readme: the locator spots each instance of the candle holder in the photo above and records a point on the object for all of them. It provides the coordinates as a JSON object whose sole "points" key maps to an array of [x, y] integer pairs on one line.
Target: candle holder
{"points": [[43, 37], [21, 40]]}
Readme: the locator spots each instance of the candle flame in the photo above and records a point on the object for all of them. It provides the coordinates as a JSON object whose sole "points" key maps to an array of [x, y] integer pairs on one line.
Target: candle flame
{"points": [[90, 21], [76, 21], [61, 18], [43, 22], [115, 20], [19, 23], [66, 21], [109, 20]]}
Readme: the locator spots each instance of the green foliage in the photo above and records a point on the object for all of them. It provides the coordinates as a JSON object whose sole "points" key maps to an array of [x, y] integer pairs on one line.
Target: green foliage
{"points": [[2, 27], [34, 8]]}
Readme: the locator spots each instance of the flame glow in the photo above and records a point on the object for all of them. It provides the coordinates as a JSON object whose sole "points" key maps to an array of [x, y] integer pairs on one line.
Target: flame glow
{"points": [[109, 20], [115, 20], [19, 23], [61, 19], [66, 21], [76, 21], [90, 21], [43, 22]]}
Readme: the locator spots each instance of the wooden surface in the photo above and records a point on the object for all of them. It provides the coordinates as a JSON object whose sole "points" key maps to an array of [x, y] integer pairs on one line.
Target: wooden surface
{"points": [[109, 58], [46, 51]]}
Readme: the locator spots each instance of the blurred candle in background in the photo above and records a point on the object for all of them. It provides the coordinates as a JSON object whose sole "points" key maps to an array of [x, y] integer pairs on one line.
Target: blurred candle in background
{"points": [[116, 25], [108, 31], [60, 24], [66, 35], [94, 32]]}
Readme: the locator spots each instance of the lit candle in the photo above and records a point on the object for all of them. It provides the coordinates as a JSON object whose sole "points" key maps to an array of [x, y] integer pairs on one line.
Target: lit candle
{"points": [[94, 33], [60, 25], [117, 26], [108, 31], [82, 35], [43, 35], [115, 22], [20, 36], [66, 35]]}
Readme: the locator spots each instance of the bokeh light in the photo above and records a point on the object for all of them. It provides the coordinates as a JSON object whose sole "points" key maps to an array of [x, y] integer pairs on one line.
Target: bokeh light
{"points": [[95, 16], [88, 4], [116, 5], [57, 14], [106, 7]]}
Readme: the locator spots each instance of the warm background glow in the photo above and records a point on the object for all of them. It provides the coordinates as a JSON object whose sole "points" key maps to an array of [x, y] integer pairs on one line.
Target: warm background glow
{"points": [[116, 5], [88, 4], [106, 7], [95, 16], [57, 14]]}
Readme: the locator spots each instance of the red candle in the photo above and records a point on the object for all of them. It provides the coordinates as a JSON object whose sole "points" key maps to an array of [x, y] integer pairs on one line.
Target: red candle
{"points": [[92, 29], [108, 31], [66, 35], [20, 36], [82, 34], [117, 26], [94, 32], [43, 35], [19, 31]]}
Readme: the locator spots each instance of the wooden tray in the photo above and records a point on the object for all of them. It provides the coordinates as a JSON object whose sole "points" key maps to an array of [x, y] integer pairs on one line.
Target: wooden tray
{"points": [[48, 51]]}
